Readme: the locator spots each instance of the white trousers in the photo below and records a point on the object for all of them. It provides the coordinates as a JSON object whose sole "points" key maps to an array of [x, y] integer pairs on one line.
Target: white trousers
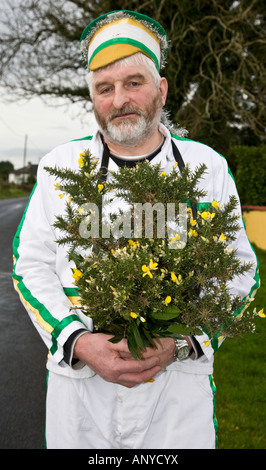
{"points": [[176, 411]]}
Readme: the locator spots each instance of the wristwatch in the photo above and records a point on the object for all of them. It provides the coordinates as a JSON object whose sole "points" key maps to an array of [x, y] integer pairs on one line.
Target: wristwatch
{"points": [[183, 350]]}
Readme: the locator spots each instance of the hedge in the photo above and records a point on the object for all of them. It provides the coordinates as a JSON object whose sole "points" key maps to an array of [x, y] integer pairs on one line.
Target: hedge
{"points": [[248, 165]]}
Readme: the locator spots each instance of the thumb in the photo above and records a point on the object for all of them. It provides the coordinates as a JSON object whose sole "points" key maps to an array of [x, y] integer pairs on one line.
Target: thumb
{"points": [[121, 346]]}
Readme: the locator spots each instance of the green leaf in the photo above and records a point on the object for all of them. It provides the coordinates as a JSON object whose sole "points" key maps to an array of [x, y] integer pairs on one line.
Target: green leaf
{"points": [[168, 313], [149, 338], [183, 330], [137, 335], [132, 345], [78, 259], [116, 338], [180, 329]]}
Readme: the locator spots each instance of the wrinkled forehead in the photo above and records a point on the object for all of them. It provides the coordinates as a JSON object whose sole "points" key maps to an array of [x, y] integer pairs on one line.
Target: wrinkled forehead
{"points": [[120, 71], [136, 67]]}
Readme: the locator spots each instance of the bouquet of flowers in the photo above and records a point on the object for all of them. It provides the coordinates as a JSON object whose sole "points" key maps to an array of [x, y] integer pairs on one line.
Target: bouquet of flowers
{"points": [[172, 281]]}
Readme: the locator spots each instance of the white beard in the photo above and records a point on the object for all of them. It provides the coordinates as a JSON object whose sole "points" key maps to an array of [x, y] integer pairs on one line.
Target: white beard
{"points": [[127, 132]]}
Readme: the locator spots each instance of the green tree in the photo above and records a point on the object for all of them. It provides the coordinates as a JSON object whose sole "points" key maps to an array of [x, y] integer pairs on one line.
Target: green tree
{"points": [[5, 168], [215, 68]]}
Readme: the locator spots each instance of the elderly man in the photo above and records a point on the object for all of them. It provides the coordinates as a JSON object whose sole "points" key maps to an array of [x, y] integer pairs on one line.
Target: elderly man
{"points": [[98, 396]]}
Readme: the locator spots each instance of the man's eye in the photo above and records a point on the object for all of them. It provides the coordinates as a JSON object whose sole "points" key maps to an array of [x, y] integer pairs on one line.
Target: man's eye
{"points": [[104, 90], [134, 84]]}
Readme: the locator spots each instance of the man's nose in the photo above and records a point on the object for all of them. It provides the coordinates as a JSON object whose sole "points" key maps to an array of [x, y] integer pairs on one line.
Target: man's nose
{"points": [[121, 97]]}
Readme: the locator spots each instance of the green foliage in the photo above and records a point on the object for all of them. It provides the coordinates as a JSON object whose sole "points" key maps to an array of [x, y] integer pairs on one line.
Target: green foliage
{"points": [[142, 287], [249, 167], [6, 167]]}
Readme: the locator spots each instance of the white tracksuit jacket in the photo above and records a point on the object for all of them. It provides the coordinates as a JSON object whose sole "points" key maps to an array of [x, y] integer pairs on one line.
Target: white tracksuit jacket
{"points": [[42, 274]]}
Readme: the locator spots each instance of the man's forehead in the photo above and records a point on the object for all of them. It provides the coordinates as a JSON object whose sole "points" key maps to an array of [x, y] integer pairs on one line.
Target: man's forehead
{"points": [[121, 73]]}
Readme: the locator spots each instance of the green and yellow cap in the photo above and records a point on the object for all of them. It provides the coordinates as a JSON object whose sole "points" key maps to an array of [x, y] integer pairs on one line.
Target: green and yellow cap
{"points": [[122, 33]]}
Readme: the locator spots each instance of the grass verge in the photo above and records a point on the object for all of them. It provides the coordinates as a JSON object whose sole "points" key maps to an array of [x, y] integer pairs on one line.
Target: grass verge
{"points": [[11, 190], [240, 378]]}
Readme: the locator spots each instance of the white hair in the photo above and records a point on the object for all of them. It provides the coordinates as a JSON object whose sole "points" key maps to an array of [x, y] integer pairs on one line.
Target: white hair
{"points": [[135, 59]]}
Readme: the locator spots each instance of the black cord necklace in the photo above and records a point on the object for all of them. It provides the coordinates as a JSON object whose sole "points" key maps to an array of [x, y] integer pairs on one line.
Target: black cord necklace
{"points": [[131, 163]]}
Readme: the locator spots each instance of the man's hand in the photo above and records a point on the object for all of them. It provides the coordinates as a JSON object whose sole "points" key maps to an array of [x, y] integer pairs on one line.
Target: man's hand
{"points": [[165, 350], [114, 363]]}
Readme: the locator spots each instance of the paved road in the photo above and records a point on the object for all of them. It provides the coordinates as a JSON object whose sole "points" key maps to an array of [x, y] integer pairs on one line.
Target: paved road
{"points": [[22, 353]]}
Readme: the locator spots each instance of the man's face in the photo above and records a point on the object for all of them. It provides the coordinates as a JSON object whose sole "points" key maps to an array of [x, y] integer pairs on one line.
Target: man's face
{"points": [[127, 103]]}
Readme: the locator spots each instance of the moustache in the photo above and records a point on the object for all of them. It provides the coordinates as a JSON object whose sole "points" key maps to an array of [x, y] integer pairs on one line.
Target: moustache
{"points": [[123, 112]]}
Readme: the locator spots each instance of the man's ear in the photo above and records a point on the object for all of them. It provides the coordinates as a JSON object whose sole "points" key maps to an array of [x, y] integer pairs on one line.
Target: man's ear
{"points": [[163, 89]]}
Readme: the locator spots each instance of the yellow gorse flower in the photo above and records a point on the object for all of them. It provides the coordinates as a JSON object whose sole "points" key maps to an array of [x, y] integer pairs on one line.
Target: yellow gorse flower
{"points": [[163, 173], [173, 277], [192, 233], [133, 244], [115, 292], [77, 274], [222, 238], [206, 215], [163, 271], [133, 315], [261, 313], [153, 265], [81, 160], [176, 279], [100, 187], [215, 204], [176, 238], [147, 269], [167, 300]]}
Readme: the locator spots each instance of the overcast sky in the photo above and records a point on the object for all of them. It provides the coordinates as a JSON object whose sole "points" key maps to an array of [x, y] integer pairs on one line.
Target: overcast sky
{"points": [[46, 127]]}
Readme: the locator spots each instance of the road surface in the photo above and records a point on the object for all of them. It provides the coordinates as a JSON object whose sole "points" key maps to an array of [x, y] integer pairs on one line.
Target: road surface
{"points": [[23, 354]]}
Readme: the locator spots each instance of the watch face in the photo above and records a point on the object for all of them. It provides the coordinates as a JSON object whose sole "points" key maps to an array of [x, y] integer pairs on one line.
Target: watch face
{"points": [[183, 353]]}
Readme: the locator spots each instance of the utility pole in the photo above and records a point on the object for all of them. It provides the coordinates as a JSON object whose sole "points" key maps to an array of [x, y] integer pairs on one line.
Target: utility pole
{"points": [[25, 151], [25, 155]]}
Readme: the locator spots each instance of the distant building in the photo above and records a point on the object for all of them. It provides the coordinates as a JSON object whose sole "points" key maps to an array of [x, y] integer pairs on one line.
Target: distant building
{"points": [[24, 175]]}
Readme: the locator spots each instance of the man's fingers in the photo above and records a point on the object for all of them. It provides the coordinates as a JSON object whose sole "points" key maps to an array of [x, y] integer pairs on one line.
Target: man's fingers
{"points": [[134, 366], [131, 379]]}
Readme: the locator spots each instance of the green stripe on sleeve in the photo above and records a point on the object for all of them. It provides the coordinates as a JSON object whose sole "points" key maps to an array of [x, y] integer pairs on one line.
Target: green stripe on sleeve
{"points": [[43, 317], [60, 327]]}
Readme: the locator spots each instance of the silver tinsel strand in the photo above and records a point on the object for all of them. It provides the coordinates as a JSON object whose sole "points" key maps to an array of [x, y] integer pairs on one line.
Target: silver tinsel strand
{"points": [[116, 16]]}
